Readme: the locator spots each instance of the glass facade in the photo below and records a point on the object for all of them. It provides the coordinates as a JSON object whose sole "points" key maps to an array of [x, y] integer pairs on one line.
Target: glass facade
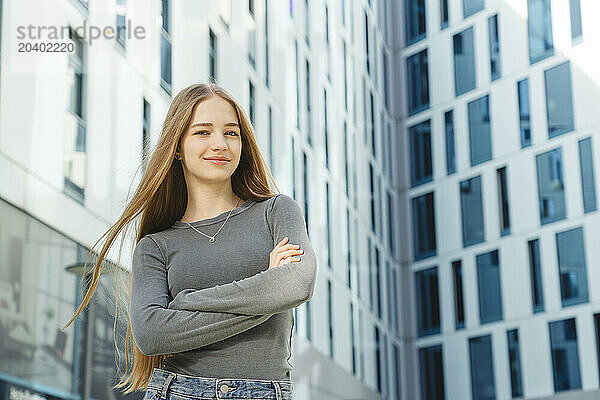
{"points": [[37, 297], [575, 14]]}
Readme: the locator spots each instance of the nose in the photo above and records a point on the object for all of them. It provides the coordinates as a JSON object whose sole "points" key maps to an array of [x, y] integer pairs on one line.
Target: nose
{"points": [[218, 142]]}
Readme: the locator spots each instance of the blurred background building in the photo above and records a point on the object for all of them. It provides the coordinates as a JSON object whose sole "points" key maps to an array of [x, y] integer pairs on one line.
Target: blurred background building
{"points": [[442, 151]]}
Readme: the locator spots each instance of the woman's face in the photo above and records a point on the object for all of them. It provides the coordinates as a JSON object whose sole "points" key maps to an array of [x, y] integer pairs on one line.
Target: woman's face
{"points": [[213, 132]]}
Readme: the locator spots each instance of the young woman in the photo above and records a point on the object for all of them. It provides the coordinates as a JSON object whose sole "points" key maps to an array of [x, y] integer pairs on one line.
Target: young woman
{"points": [[220, 261]]}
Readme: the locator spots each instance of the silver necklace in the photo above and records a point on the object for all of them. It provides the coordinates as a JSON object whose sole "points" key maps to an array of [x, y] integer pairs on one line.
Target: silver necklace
{"points": [[211, 239]]}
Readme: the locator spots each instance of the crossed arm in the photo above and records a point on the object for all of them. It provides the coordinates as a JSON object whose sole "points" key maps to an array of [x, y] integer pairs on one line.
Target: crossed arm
{"points": [[271, 291]]}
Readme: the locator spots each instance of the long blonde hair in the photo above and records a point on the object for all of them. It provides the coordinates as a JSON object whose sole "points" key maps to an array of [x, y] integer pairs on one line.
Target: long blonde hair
{"points": [[161, 199]]}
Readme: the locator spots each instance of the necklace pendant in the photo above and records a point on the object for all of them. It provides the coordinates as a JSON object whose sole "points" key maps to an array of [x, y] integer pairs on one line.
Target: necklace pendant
{"points": [[211, 240]]}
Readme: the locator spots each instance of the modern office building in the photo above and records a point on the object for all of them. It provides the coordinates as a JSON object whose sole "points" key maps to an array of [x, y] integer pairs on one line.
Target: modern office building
{"points": [[316, 79], [501, 137]]}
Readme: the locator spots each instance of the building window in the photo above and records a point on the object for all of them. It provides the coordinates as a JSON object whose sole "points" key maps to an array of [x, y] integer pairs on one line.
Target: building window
{"points": [[495, 65], [252, 40], [325, 130], [145, 133], [428, 308], [488, 285], [575, 13], [251, 102], [464, 62], [535, 275], [559, 103], [431, 368], [267, 35], [524, 122], [565, 355], [471, 211], [550, 186], [571, 267], [418, 82], [586, 166], [503, 201], [597, 334], [481, 358], [514, 362], [415, 20], [450, 152], [75, 154], [480, 140], [459, 307], [443, 14], [330, 317], [121, 28], [420, 154], [306, 22], [165, 48], [539, 25], [308, 117], [470, 7], [423, 226], [212, 55]]}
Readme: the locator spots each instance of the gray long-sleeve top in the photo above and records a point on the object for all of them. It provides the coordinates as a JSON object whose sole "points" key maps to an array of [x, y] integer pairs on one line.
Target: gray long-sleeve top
{"points": [[217, 307]]}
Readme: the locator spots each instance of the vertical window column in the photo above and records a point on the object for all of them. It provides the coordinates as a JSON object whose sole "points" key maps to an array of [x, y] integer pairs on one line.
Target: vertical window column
{"points": [[459, 308], [480, 136], [503, 208], [495, 64], [450, 151], [571, 267], [514, 362]]}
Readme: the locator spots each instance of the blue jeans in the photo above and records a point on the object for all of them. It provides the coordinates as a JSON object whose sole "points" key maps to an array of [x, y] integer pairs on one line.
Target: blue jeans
{"points": [[164, 383]]}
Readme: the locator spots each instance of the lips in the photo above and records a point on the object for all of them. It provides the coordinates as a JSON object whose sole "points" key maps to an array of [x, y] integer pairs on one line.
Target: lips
{"points": [[216, 158]]}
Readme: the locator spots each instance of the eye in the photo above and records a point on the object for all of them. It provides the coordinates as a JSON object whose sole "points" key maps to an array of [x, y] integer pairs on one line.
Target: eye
{"points": [[200, 132], [234, 133]]}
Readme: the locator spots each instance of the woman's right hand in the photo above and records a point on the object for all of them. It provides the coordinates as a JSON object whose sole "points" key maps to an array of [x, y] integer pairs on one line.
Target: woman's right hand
{"points": [[284, 253]]}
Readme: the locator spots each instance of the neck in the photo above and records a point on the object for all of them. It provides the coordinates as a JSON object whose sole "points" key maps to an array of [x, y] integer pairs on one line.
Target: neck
{"points": [[203, 204]]}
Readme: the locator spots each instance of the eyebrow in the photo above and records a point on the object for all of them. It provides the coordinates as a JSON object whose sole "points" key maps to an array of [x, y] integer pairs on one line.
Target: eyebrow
{"points": [[210, 124]]}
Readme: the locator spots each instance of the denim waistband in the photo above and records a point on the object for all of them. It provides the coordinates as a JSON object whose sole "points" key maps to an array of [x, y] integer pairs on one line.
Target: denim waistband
{"points": [[163, 381]]}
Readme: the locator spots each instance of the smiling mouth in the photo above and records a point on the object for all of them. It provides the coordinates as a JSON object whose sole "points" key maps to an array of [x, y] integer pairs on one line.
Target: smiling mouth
{"points": [[217, 162]]}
